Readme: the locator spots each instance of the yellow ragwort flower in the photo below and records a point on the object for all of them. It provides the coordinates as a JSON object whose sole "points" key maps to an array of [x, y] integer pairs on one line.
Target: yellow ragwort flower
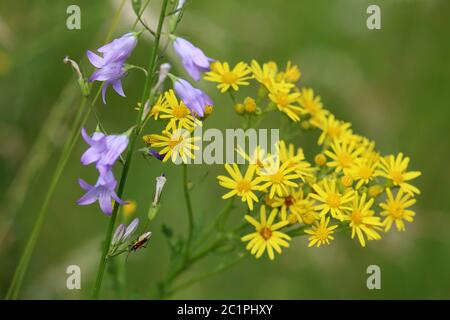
{"points": [[266, 237], [265, 74], [241, 186], [290, 74], [277, 178], [177, 113], [332, 200], [362, 220], [312, 106], [395, 210], [320, 232], [343, 154], [286, 102], [174, 143], [229, 78], [155, 110], [295, 157], [287, 202], [395, 169], [333, 129], [362, 170]]}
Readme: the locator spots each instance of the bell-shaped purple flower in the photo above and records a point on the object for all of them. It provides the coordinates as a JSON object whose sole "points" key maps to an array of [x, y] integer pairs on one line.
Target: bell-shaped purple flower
{"points": [[110, 67], [193, 59], [102, 191], [195, 99], [104, 150]]}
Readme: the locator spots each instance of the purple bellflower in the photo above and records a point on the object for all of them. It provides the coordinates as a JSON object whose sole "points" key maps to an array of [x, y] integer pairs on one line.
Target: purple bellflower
{"points": [[193, 59], [195, 99], [110, 67], [104, 150], [102, 191]]}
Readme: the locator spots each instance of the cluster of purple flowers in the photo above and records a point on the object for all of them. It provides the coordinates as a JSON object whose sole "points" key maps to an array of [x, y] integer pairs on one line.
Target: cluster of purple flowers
{"points": [[104, 150], [110, 67]]}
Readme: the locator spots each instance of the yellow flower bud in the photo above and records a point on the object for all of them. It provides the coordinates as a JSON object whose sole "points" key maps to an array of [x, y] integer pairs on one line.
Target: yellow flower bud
{"points": [[249, 105], [306, 125], [292, 218], [347, 181], [308, 217], [239, 108], [320, 159], [208, 110], [375, 191]]}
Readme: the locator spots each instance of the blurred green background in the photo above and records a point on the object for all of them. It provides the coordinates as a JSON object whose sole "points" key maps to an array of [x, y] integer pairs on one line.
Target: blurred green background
{"points": [[392, 84]]}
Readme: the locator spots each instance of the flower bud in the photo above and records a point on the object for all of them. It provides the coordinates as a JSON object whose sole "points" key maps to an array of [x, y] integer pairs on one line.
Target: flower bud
{"points": [[320, 159]]}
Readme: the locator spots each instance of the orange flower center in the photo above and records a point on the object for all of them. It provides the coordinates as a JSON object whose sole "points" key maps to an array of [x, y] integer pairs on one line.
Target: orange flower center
{"points": [[243, 186], [266, 233], [397, 176], [179, 111]]}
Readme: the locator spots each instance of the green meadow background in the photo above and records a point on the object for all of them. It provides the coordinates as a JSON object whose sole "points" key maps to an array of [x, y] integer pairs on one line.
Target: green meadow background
{"points": [[392, 84]]}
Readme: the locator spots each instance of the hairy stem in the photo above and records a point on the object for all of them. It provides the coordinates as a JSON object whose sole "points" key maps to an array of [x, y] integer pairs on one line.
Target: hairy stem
{"points": [[148, 83]]}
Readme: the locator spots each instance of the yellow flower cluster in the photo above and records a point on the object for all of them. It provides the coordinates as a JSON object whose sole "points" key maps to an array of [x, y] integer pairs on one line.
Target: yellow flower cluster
{"points": [[347, 186], [175, 140]]}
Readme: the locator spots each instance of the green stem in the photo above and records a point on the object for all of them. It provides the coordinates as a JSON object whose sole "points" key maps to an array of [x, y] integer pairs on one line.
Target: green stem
{"points": [[19, 274], [189, 209], [129, 157]]}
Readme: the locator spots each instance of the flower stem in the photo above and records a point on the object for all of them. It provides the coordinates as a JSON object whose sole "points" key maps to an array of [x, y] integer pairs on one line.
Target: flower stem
{"points": [[189, 209], [129, 157], [22, 267]]}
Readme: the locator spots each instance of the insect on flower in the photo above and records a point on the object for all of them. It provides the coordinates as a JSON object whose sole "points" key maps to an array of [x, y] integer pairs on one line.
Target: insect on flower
{"points": [[141, 242]]}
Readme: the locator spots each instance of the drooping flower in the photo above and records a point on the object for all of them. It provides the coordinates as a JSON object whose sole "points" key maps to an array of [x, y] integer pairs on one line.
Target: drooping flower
{"points": [[104, 150], [102, 191], [195, 99], [110, 67], [227, 77], [193, 59], [160, 182], [266, 237], [241, 186]]}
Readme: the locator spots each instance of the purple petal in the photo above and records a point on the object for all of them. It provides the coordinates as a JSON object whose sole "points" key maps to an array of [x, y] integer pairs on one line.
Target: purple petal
{"points": [[88, 198], [83, 184], [105, 201], [117, 86], [94, 59], [105, 86]]}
